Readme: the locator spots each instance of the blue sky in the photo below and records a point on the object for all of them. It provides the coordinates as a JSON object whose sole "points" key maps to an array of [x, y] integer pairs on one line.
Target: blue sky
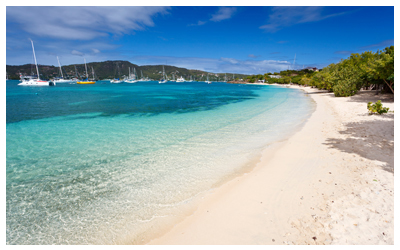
{"points": [[242, 39]]}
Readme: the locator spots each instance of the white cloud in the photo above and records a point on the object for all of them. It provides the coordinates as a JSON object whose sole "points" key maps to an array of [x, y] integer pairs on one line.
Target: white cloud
{"points": [[229, 60], [199, 23], [83, 23], [223, 13], [77, 53], [95, 51], [221, 65], [287, 16]]}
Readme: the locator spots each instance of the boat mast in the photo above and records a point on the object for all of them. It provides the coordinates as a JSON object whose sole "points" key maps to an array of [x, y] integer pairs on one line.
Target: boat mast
{"points": [[86, 69], [294, 61], [37, 69], [76, 72], [59, 65]]}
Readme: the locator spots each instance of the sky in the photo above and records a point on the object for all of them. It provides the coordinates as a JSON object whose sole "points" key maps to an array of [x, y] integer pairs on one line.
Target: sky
{"points": [[220, 39]]}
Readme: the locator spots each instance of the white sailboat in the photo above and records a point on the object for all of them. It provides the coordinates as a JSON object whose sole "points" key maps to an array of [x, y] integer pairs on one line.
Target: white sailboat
{"points": [[31, 80], [208, 82], [61, 79], [173, 78], [142, 79], [131, 78], [163, 79], [116, 80]]}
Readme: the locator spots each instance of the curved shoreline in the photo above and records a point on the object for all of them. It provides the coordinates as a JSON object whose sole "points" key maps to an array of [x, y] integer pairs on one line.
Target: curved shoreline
{"points": [[321, 186]]}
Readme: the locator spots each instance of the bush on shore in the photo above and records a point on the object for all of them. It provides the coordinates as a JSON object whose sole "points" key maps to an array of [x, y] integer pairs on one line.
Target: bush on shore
{"points": [[358, 71]]}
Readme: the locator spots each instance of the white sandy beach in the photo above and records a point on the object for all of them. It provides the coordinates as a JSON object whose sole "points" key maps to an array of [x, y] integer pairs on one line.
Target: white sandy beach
{"points": [[330, 183]]}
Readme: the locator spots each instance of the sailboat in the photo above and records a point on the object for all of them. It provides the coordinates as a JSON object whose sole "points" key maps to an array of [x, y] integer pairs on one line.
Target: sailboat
{"points": [[31, 80], [116, 80], [191, 80], [85, 81], [173, 78], [61, 79], [93, 75], [142, 79], [131, 78], [163, 79], [208, 80]]}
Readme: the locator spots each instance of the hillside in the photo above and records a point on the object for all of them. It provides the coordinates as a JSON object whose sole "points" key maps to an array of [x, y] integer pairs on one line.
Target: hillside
{"points": [[111, 69]]}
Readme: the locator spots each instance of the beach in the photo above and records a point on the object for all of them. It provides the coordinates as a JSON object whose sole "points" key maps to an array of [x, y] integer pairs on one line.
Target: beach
{"points": [[332, 182]]}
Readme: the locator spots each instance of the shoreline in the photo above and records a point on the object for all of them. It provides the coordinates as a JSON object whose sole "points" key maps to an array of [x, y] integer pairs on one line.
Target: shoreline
{"points": [[331, 190]]}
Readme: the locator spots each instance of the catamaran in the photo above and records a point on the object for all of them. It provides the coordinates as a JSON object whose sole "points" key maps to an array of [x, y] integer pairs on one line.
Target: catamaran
{"points": [[86, 81], [163, 79], [31, 80]]}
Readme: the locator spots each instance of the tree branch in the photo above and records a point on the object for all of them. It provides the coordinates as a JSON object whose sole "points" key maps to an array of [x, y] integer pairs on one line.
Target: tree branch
{"points": [[390, 86]]}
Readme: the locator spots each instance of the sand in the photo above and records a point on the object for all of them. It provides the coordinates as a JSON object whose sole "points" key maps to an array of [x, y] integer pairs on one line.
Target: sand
{"points": [[330, 183]]}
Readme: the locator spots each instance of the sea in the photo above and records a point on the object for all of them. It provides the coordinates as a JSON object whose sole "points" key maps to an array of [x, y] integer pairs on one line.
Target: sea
{"points": [[121, 163]]}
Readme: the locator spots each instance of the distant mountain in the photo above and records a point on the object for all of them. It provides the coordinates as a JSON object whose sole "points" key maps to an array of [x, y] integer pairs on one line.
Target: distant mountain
{"points": [[115, 69]]}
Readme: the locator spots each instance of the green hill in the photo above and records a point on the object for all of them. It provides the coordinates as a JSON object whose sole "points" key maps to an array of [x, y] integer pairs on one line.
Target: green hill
{"points": [[112, 69]]}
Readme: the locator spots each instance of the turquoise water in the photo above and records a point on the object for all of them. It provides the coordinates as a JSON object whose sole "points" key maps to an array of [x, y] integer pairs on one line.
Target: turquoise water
{"points": [[111, 163]]}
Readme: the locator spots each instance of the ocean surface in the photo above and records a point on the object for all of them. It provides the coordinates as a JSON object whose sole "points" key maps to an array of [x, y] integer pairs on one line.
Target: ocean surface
{"points": [[114, 163]]}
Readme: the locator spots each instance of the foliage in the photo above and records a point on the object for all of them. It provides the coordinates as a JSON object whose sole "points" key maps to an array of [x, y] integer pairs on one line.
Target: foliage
{"points": [[376, 108], [367, 69], [305, 81]]}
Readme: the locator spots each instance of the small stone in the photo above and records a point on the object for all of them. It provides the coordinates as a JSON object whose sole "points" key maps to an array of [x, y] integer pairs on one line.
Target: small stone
{"points": [[273, 240]]}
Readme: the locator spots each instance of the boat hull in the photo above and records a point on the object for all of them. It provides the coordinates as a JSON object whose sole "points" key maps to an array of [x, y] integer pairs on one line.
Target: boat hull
{"points": [[37, 83], [85, 82]]}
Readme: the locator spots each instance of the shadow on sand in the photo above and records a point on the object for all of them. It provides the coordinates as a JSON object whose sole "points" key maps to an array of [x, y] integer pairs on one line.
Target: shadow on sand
{"points": [[366, 96], [373, 140]]}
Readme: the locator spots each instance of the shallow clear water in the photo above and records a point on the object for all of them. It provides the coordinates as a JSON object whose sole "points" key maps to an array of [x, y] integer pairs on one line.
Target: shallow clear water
{"points": [[105, 163]]}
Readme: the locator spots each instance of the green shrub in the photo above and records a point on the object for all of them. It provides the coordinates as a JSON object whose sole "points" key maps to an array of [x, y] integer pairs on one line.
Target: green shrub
{"points": [[376, 108]]}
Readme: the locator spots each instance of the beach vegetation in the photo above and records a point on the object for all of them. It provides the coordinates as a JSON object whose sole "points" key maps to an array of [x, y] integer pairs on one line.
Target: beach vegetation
{"points": [[377, 108], [367, 70]]}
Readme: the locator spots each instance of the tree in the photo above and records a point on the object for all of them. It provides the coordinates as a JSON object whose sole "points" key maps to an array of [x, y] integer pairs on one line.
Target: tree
{"points": [[384, 67], [305, 81]]}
